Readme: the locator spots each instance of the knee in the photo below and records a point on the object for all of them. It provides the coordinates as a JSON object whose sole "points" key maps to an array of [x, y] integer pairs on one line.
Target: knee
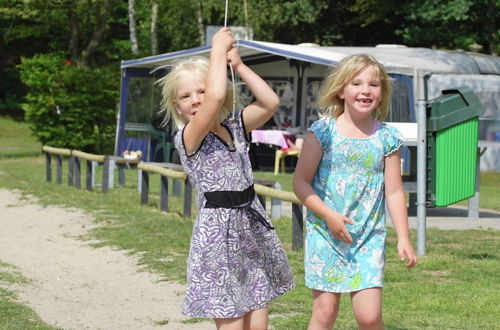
{"points": [[370, 321], [325, 315]]}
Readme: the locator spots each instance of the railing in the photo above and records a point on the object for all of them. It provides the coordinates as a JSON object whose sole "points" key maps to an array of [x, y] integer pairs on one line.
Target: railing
{"points": [[165, 170], [58, 153], [89, 158]]}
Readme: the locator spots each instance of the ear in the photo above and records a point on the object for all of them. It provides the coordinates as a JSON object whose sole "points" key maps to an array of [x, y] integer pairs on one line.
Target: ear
{"points": [[176, 108], [341, 94]]}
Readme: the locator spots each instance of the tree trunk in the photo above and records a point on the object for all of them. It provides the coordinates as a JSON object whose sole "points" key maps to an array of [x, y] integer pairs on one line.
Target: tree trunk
{"points": [[73, 41], [131, 23], [247, 28], [99, 29], [491, 29], [154, 22], [201, 27]]}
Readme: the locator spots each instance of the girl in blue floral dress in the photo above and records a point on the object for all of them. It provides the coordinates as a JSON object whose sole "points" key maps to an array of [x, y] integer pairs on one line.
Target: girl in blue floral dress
{"points": [[348, 169], [236, 263]]}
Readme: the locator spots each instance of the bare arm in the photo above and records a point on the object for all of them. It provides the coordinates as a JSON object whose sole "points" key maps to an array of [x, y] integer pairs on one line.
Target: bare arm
{"points": [[396, 203], [307, 166], [215, 92], [257, 113]]}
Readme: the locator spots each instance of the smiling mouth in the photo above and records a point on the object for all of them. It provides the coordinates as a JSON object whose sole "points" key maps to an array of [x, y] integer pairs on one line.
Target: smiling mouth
{"points": [[365, 101]]}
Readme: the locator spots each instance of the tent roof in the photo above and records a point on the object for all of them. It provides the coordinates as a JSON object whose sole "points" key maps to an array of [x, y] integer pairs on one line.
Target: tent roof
{"points": [[396, 59]]}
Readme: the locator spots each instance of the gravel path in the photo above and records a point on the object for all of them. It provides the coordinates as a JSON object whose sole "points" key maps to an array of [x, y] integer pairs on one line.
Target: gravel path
{"points": [[75, 286]]}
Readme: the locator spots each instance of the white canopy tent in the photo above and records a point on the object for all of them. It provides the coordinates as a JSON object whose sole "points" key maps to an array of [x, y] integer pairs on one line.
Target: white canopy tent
{"points": [[296, 71]]}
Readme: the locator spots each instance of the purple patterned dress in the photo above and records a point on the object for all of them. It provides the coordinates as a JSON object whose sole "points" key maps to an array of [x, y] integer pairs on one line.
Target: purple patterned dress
{"points": [[236, 262]]}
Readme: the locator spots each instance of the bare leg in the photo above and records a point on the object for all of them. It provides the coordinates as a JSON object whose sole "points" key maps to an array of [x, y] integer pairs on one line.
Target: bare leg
{"points": [[257, 319], [367, 307], [236, 323], [325, 310]]}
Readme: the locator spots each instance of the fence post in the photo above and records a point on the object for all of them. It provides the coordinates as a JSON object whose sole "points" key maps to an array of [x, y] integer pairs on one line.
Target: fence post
{"points": [[276, 204], [48, 167], [297, 227], [121, 176], [163, 193], [71, 170], [93, 164], [59, 169], [89, 175], [176, 189], [105, 174], [78, 173], [188, 192], [144, 187]]}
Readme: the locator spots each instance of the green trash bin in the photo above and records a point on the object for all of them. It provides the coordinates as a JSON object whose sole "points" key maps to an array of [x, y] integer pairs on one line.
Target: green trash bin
{"points": [[452, 140]]}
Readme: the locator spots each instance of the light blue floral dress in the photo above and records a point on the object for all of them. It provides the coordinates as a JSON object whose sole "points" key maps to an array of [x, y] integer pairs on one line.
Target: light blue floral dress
{"points": [[350, 180]]}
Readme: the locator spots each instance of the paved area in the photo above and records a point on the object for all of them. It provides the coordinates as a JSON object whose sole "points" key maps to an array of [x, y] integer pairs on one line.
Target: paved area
{"points": [[455, 217], [447, 218]]}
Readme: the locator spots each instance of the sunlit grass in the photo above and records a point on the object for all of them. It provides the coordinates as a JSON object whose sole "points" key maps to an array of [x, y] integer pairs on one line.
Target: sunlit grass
{"points": [[455, 286]]}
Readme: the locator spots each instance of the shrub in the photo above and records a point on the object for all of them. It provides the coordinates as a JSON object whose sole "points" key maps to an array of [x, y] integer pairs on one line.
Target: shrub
{"points": [[69, 106]]}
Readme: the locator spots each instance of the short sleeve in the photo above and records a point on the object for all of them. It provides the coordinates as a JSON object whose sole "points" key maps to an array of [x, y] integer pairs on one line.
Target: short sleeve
{"points": [[392, 139], [322, 129]]}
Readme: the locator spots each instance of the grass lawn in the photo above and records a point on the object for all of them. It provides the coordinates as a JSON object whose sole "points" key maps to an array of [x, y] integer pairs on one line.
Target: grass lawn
{"points": [[455, 286]]}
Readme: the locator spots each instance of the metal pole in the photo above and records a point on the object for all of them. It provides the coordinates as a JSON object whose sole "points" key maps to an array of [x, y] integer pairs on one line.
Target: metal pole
{"points": [[297, 227], [48, 167], [421, 176]]}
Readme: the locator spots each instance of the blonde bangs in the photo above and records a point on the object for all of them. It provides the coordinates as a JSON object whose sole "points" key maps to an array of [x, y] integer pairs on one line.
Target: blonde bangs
{"points": [[328, 100], [169, 82]]}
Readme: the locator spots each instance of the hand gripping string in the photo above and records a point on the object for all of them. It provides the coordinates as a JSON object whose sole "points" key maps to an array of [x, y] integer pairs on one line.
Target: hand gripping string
{"points": [[230, 66], [239, 145]]}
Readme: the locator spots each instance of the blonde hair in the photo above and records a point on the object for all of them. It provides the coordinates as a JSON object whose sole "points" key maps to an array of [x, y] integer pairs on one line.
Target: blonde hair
{"points": [[169, 84], [330, 102]]}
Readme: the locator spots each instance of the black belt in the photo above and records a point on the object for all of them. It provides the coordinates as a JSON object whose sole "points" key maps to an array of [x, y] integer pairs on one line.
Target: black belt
{"points": [[236, 199]]}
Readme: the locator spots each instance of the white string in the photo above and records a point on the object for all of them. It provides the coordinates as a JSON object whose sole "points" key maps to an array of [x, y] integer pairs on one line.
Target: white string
{"points": [[230, 66], [225, 14]]}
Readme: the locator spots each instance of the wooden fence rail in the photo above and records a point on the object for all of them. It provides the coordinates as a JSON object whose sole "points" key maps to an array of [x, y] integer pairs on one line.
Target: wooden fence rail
{"points": [[74, 166], [89, 158], [297, 214], [58, 153], [165, 170]]}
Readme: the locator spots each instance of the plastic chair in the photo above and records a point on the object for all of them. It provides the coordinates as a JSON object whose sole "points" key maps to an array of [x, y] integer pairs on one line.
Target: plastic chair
{"points": [[163, 146], [281, 154]]}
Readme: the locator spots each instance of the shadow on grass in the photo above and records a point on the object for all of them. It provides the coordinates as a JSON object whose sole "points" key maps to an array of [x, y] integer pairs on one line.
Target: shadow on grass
{"points": [[483, 256], [19, 154]]}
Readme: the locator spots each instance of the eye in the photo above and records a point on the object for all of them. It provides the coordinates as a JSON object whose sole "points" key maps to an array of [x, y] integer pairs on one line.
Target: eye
{"points": [[375, 84], [355, 83]]}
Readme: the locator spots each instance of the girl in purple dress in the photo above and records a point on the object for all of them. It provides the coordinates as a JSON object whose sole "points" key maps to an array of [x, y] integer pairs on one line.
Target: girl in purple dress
{"points": [[236, 263]]}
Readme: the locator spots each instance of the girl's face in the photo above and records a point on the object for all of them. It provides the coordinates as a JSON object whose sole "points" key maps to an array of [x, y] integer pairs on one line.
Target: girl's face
{"points": [[363, 93], [189, 95]]}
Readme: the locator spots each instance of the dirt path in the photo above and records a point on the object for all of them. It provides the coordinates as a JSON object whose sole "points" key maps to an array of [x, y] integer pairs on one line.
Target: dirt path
{"points": [[75, 286]]}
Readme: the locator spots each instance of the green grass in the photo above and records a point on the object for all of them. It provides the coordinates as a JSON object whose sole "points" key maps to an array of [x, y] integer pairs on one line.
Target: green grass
{"points": [[455, 286], [14, 315], [16, 140]]}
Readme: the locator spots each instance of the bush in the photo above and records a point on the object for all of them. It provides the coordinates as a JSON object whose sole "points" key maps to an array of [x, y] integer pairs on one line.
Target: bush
{"points": [[69, 106]]}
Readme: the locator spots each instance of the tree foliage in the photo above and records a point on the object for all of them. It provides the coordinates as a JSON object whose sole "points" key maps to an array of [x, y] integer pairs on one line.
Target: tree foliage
{"points": [[95, 33], [70, 106]]}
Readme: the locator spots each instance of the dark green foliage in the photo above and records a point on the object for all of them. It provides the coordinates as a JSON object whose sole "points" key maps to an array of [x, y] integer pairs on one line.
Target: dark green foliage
{"points": [[69, 106]]}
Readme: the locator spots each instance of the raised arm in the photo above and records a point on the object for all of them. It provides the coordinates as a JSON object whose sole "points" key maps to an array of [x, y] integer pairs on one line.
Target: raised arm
{"points": [[309, 160], [215, 89], [266, 103], [395, 197]]}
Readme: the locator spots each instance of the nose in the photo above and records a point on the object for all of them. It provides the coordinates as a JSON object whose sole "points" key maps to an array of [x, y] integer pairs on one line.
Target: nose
{"points": [[365, 89], [195, 99]]}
